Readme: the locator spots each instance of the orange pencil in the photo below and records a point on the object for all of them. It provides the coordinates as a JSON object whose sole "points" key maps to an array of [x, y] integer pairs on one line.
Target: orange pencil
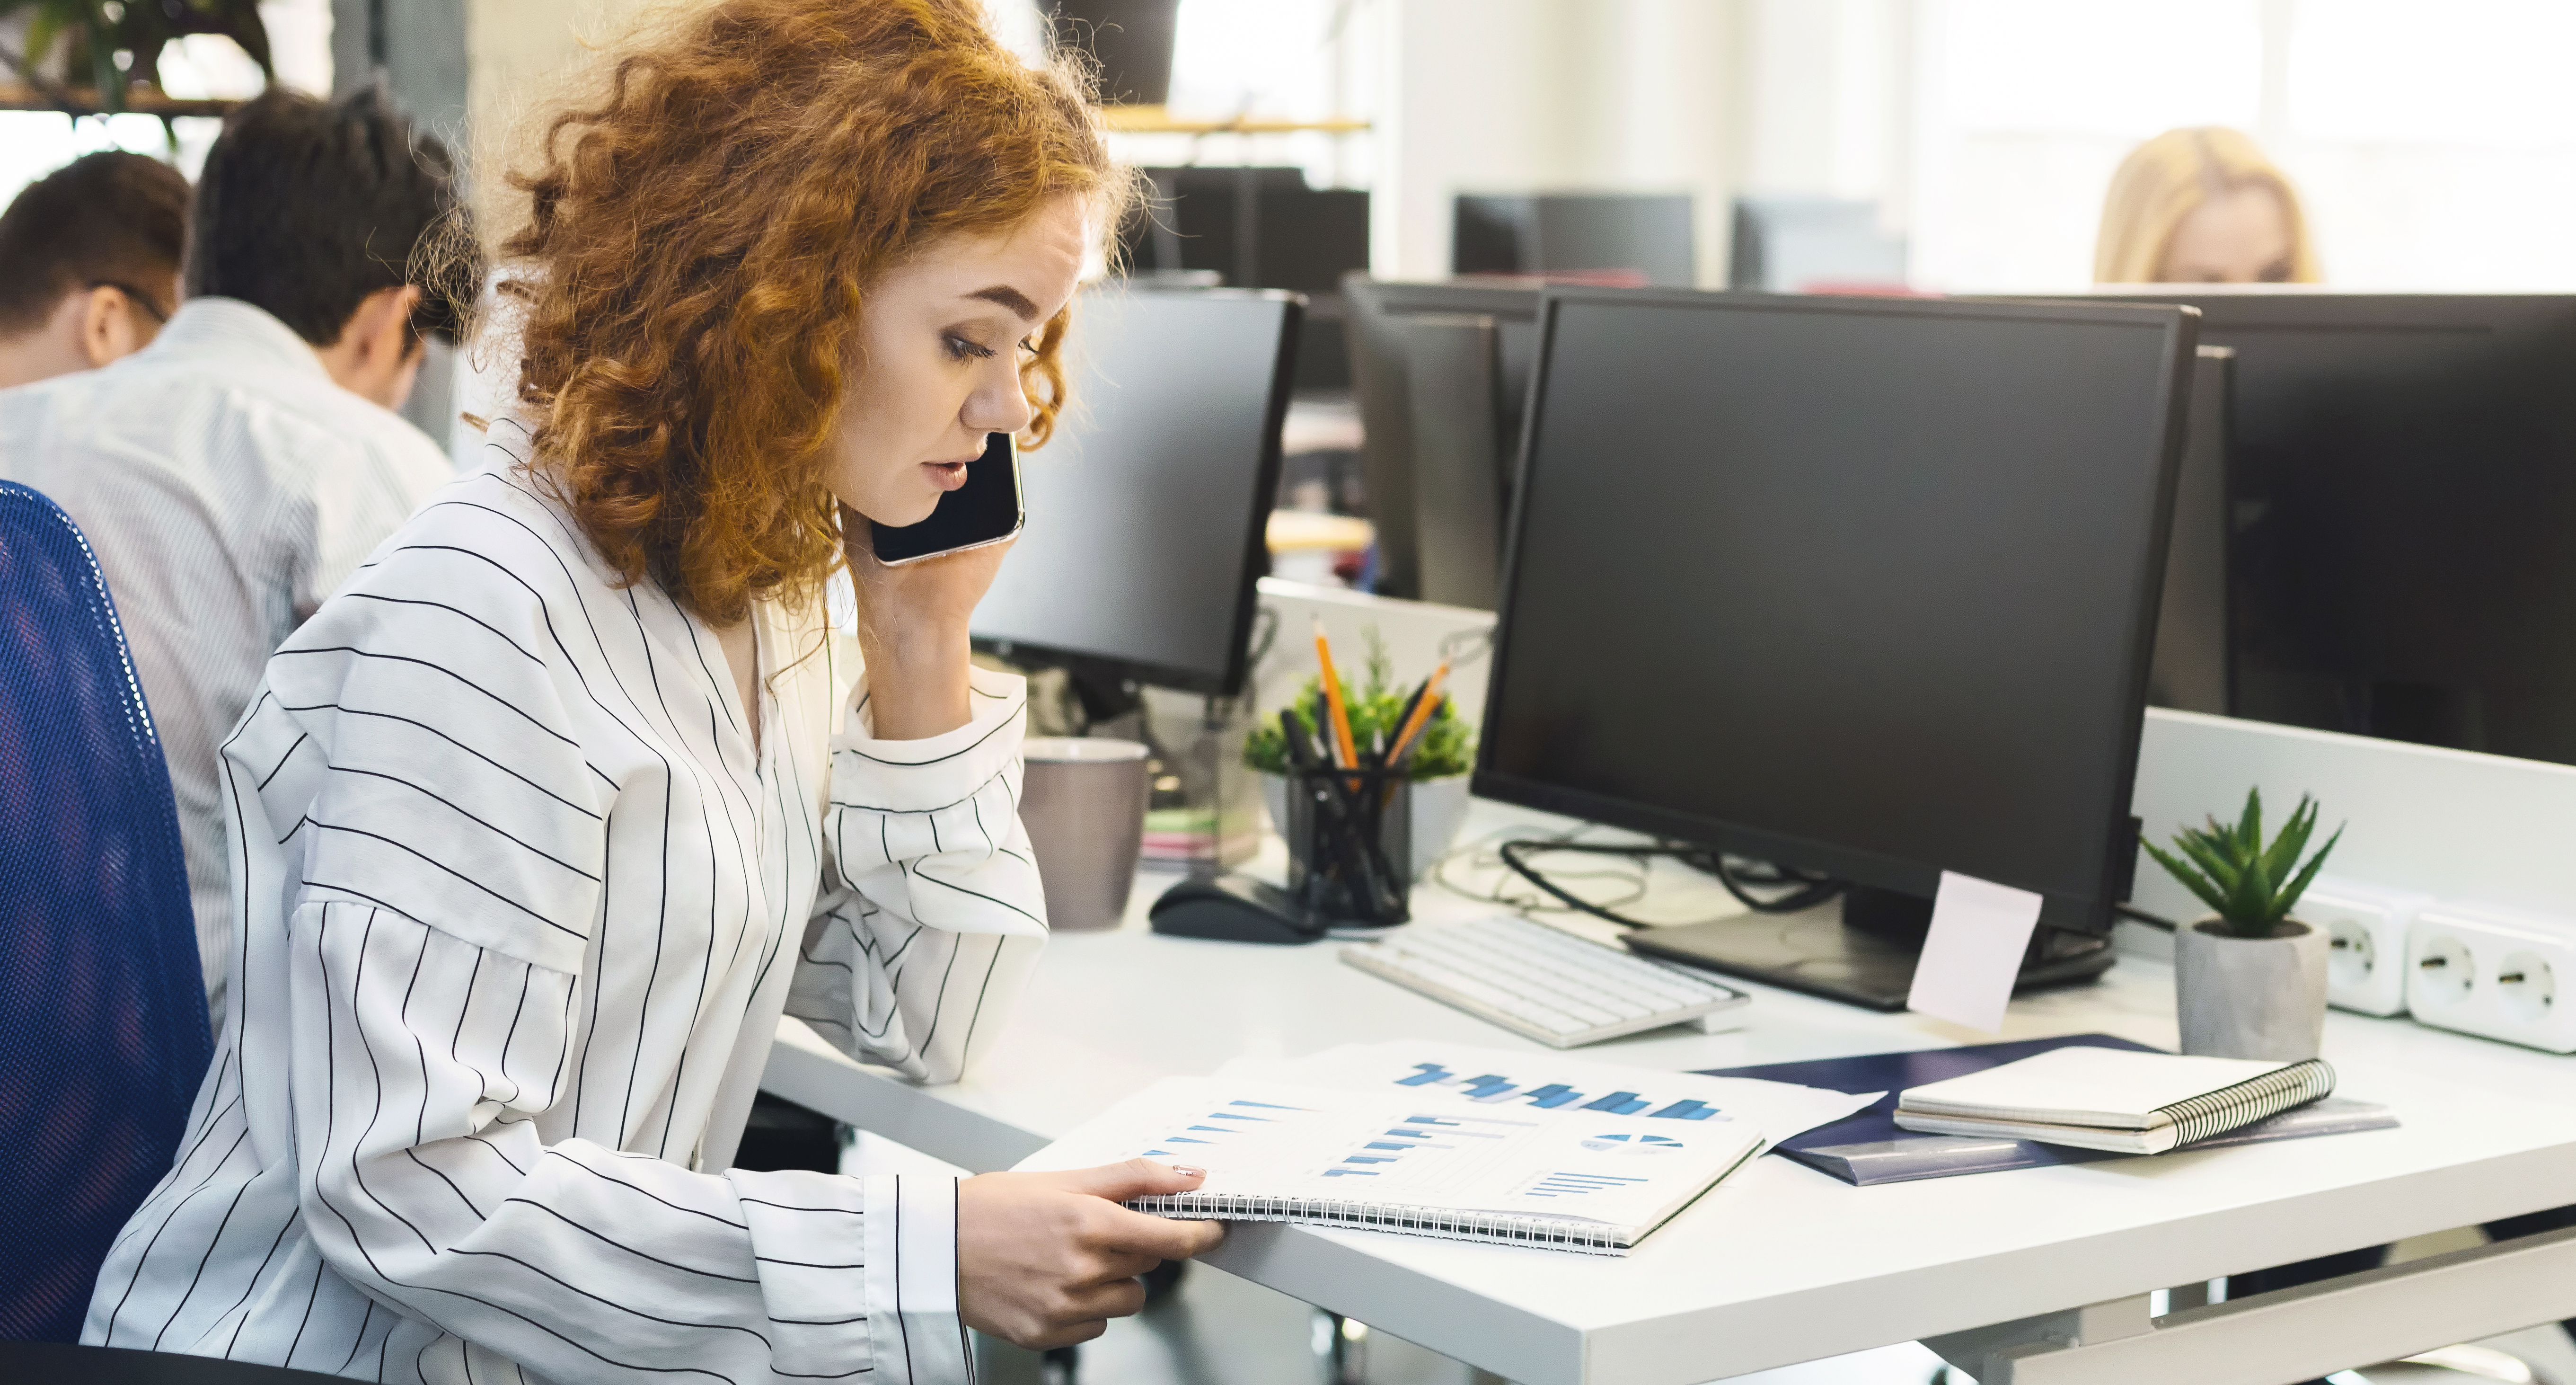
{"points": [[1333, 697], [1420, 717]]}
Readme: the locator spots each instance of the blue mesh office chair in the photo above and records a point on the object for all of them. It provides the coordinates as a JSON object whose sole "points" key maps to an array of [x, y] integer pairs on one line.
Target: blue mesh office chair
{"points": [[103, 1031]]}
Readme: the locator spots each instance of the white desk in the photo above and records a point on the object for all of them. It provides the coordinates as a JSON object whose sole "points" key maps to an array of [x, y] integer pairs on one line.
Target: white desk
{"points": [[1784, 1264]]}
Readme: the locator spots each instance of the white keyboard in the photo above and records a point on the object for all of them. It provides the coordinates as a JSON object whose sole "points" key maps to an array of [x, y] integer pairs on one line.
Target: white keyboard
{"points": [[1540, 982]]}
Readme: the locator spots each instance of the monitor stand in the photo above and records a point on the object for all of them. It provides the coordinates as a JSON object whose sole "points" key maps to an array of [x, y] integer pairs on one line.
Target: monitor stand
{"points": [[1859, 949]]}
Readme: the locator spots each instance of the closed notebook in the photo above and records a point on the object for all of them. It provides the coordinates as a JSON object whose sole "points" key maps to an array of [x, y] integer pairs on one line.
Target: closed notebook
{"points": [[2113, 1099], [1420, 1165]]}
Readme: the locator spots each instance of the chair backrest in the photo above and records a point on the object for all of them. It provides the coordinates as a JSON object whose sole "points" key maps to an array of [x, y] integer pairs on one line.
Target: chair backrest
{"points": [[103, 1031]]}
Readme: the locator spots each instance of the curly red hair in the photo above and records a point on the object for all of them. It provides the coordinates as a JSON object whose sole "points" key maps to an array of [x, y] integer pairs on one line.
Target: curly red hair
{"points": [[699, 236]]}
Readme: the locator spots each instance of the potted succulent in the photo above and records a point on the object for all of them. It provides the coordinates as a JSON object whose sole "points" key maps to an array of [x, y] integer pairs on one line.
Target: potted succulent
{"points": [[2249, 980], [1435, 775]]}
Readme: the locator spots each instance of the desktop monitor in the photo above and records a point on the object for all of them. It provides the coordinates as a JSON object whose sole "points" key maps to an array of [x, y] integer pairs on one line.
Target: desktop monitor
{"points": [[1644, 235], [1812, 245], [2195, 660], [1258, 227], [1146, 510], [2404, 491], [1858, 587], [1441, 371]]}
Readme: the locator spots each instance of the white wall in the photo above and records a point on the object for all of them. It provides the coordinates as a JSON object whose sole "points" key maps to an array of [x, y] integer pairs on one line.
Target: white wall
{"points": [[1530, 95]]}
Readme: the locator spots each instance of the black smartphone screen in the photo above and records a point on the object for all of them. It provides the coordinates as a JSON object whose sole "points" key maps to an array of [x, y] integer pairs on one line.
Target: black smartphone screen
{"points": [[984, 510]]}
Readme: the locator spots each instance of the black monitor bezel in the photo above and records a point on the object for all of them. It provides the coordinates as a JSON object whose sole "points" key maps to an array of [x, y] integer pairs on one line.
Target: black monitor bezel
{"points": [[1228, 681], [2092, 914]]}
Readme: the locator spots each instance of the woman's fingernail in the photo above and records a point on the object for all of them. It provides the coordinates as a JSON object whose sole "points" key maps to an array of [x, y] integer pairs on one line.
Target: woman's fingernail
{"points": [[1186, 1171]]}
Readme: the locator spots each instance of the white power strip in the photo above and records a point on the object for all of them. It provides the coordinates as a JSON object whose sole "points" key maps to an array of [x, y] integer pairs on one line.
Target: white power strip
{"points": [[2494, 973], [2366, 930]]}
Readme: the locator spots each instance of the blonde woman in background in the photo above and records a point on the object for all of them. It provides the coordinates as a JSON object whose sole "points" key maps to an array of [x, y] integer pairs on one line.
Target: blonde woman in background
{"points": [[2202, 206]]}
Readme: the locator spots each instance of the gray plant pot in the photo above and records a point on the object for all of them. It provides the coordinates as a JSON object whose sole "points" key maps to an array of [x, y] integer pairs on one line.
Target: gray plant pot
{"points": [[2250, 997]]}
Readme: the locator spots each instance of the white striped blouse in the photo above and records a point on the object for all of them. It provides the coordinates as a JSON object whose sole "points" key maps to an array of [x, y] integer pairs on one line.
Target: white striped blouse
{"points": [[521, 906]]}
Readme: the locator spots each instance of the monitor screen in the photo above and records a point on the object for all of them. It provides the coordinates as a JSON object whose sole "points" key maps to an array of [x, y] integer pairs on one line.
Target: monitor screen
{"points": [[2403, 469], [1146, 509], [1860, 586], [1423, 430]]}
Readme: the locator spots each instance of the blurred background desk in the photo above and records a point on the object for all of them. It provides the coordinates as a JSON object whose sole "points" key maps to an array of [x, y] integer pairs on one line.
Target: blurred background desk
{"points": [[1784, 1264]]}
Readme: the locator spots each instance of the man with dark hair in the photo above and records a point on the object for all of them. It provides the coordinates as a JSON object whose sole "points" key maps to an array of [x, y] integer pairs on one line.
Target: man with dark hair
{"points": [[230, 475], [89, 264]]}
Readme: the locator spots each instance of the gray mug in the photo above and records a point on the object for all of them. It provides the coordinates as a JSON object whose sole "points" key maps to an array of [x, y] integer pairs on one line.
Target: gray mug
{"points": [[1083, 801]]}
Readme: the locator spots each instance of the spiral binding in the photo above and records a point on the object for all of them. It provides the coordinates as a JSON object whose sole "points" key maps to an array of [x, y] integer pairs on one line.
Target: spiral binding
{"points": [[2232, 1108], [1503, 1228]]}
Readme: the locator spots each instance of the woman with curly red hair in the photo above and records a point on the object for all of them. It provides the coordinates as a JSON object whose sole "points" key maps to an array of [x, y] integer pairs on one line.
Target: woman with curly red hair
{"points": [[546, 818]]}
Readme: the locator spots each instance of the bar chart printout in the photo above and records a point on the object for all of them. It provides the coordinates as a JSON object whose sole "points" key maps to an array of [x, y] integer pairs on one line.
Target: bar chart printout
{"points": [[1410, 1157]]}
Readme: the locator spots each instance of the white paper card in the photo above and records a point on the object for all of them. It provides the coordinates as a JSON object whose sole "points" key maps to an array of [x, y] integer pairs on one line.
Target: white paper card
{"points": [[1979, 931]]}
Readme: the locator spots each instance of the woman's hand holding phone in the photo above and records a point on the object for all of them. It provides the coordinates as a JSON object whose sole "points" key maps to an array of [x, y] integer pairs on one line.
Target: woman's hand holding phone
{"points": [[913, 631], [1046, 1259]]}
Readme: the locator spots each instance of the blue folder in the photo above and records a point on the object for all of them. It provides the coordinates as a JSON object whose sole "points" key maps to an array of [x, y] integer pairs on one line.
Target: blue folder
{"points": [[1867, 1147]]}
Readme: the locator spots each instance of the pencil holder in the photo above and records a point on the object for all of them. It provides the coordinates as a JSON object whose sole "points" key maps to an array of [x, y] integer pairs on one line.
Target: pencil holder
{"points": [[1349, 835]]}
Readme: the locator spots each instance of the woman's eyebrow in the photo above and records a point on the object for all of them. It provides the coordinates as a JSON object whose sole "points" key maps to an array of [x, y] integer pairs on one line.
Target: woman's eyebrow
{"points": [[1010, 298]]}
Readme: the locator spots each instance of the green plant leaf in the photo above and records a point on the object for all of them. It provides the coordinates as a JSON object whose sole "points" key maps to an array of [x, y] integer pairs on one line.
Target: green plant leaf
{"points": [[2283, 855], [2211, 856], [2289, 896], [2249, 905], [2190, 878], [2249, 828]]}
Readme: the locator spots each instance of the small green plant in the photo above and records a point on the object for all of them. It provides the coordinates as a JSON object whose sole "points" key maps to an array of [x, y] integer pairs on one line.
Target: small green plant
{"points": [[2250, 886], [1376, 708]]}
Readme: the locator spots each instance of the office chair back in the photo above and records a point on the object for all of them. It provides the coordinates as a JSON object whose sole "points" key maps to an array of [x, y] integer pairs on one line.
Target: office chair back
{"points": [[103, 1030]]}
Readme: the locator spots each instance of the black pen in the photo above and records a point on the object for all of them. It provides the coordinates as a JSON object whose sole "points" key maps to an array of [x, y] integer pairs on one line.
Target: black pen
{"points": [[1332, 830]]}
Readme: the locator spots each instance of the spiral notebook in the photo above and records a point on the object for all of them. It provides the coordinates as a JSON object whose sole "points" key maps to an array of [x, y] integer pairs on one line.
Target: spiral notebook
{"points": [[1421, 1165], [2113, 1099]]}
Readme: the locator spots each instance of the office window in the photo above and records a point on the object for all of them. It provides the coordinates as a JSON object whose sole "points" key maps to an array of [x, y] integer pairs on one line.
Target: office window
{"points": [[35, 143], [2435, 145], [1298, 60]]}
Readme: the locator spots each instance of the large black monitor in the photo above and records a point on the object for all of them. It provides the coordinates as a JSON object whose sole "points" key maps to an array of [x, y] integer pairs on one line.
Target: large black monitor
{"points": [[1441, 371], [1146, 511], [2403, 469], [1853, 586]]}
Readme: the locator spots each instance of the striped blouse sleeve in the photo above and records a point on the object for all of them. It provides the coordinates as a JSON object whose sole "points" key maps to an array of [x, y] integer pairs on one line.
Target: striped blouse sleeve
{"points": [[441, 840], [931, 917]]}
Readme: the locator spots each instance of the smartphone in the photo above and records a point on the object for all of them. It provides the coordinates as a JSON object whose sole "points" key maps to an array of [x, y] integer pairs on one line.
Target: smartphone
{"points": [[986, 510]]}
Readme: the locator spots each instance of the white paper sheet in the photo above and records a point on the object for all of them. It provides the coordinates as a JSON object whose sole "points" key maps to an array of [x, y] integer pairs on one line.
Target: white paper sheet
{"points": [[1979, 932]]}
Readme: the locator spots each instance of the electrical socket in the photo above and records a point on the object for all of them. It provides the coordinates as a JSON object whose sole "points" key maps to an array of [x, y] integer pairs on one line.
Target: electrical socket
{"points": [[2494, 972], [2366, 928]]}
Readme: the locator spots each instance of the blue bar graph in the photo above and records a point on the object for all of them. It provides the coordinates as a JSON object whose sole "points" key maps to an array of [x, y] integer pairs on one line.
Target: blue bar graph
{"points": [[1618, 1104], [1499, 1087], [1227, 1115]]}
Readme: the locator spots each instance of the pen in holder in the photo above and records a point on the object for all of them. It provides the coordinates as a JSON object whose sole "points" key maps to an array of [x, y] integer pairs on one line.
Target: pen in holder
{"points": [[1346, 830]]}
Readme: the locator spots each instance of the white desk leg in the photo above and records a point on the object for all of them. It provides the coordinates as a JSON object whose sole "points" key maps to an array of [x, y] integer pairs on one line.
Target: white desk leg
{"points": [[2290, 1334]]}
